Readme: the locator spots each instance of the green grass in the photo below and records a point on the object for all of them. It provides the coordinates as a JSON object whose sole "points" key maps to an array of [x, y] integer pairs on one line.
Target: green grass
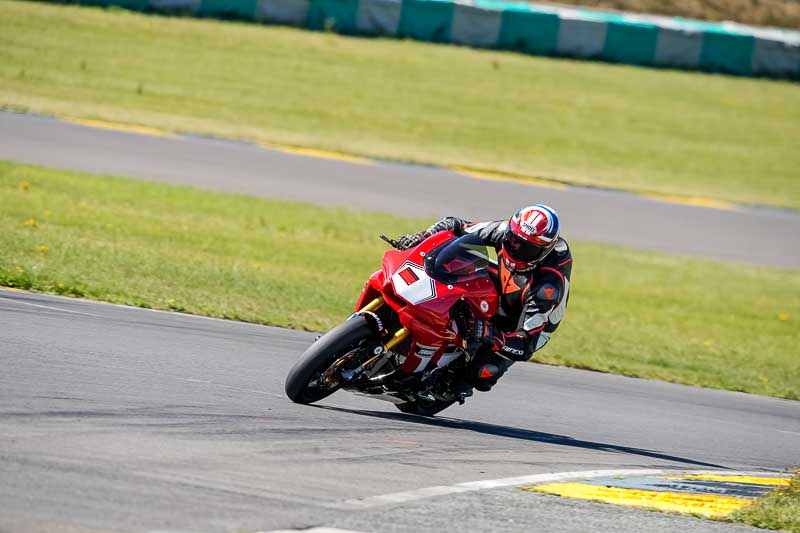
{"points": [[290, 264], [623, 127], [780, 509]]}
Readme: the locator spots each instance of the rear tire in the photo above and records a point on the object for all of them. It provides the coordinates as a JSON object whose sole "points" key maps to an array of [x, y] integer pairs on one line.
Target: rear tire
{"points": [[321, 355], [424, 408]]}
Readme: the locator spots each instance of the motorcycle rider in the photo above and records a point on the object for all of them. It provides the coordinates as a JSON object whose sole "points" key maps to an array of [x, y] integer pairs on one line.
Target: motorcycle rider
{"points": [[534, 267]]}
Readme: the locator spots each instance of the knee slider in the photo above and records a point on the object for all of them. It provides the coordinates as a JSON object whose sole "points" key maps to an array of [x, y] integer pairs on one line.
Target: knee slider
{"points": [[487, 374]]}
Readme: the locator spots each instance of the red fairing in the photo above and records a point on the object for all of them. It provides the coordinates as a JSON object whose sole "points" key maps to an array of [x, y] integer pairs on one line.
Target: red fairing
{"points": [[423, 303], [372, 290]]}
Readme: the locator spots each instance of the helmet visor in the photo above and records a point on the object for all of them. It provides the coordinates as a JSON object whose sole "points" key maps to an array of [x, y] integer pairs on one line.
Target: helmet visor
{"points": [[518, 249]]}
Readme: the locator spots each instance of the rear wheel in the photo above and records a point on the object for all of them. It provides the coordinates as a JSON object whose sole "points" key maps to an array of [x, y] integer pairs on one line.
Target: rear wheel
{"points": [[424, 408], [312, 378]]}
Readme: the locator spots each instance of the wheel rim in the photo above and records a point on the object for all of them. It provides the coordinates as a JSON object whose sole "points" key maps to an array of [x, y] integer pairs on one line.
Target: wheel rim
{"points": [[328, 380]]}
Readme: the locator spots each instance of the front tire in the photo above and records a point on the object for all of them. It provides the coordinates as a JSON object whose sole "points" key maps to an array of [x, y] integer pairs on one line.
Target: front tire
{"points": [[321, 355]]}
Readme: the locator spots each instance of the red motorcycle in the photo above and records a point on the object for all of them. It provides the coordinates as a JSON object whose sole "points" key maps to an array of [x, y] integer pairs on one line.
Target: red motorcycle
{"points": [[407, 342]]}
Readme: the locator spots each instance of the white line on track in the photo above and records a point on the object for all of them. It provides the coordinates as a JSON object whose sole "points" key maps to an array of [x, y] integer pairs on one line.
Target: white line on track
{"points": [[535, 479], [138, 371], [89, 303], [59, 309], [192, 380], [740, 425], [312, 530]]}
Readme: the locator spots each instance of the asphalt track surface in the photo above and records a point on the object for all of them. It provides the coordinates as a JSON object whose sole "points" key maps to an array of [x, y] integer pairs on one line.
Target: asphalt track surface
{"points": [[116, 418], [751, 235]]}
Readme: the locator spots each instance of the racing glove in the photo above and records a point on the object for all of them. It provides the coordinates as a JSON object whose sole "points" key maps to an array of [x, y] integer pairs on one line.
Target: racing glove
{"points": [[404, 242], [510, 345], [481, 333]]}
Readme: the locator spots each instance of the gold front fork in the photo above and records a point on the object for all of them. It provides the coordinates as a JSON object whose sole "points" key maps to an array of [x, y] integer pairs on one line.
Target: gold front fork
{"points": [[399, 336], [373, 306]]}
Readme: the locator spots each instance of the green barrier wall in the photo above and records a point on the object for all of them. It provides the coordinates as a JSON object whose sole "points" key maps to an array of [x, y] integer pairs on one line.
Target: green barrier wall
{"points": [[336, 15], [529, 31], [426, 20], [228, 9], [628, 42], [726, 52]]}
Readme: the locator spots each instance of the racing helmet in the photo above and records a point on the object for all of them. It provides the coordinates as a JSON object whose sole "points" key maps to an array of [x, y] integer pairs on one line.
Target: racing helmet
{"points": [[531, 234]]}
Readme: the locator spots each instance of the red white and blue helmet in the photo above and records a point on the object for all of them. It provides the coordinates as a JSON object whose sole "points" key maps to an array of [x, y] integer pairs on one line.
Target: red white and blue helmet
{"points": [[531, 234]]}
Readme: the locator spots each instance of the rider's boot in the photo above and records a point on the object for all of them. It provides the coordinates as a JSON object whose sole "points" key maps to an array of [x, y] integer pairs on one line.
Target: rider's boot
{"points": [[485, 369]]}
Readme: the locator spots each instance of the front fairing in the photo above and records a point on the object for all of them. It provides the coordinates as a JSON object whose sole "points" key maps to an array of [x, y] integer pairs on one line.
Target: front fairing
{"points": [[423, 284], [427, 280]]}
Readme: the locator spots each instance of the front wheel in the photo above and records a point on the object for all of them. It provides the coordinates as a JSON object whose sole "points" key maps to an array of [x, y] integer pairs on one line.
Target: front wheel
{"points": [[307, 382]]}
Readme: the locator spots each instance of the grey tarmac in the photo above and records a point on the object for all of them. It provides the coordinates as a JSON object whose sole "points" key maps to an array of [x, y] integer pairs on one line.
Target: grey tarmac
{"points": [[122, 419], [752, 235]]}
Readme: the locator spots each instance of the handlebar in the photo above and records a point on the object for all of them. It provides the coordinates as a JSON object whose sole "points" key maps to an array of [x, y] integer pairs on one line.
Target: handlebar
{"points": [[394, 244]]}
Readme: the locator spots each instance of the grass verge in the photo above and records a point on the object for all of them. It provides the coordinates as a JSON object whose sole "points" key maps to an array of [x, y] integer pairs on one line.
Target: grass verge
{"points": [[614, 126], [295, 265], [780, 509]]}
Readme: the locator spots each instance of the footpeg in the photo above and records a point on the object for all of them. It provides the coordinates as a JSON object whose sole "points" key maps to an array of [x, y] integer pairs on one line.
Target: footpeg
{"points": [[463, 396]]}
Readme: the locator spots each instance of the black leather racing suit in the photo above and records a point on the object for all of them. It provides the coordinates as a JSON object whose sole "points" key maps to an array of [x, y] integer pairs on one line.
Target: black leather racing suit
{"points": [[532, 303]]}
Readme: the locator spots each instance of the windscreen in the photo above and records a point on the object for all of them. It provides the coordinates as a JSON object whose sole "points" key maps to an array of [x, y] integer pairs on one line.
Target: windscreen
{"points": [[463, 257]]}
